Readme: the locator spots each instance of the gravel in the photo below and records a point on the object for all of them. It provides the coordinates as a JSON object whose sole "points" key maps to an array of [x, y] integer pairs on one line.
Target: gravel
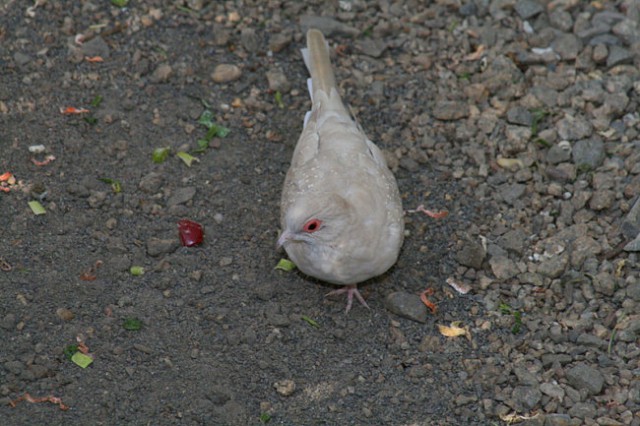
{"points": [[519, 118]]}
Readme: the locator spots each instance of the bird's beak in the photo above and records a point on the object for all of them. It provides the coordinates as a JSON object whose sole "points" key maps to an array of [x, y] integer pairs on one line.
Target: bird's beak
{"points": [[284, 238]]}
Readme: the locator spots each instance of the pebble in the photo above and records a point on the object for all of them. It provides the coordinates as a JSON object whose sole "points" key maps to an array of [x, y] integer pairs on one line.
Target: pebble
{"points": [[526, 397], [371, 47], [181, 196], [285, 387], [151, 182], [583, 376], [573, 128], [161, 74], [503, 268], [602, 199], [527, 9], [158, 246], [249, 40], [567, 46], [329, 26], [406, 305], [450, 110], [618, 55], [588, 152], [554, 267], [278, 81], [559, 153], [225, 73], [519, 115], [279, 41], [471, 254], [553, 390], [96, 47]]}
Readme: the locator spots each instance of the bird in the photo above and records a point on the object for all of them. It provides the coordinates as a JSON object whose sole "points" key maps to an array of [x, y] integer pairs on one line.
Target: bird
{"points": [[341, 214]]}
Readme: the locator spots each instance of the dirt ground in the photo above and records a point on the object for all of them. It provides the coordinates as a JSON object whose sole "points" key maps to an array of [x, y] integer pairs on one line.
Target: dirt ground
{"points": [[226, 338]]}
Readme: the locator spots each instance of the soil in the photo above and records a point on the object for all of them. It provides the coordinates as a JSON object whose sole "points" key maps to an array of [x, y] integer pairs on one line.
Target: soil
{"points": [[226, 338]]}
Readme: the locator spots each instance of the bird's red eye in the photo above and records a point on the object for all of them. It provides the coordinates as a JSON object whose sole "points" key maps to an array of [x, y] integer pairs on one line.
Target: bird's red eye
{"points": [[312, 225]]}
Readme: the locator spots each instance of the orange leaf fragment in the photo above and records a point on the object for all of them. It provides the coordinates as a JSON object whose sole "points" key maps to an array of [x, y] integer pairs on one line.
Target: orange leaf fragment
{"points": [[436, 215], [47, 160], [427, 302], [93, 59], [29, 398], [73, 110], [5, 176]]}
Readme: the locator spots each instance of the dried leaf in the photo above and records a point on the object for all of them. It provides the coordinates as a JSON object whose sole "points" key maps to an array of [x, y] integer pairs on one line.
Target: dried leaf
{"points": [[453, 330]]}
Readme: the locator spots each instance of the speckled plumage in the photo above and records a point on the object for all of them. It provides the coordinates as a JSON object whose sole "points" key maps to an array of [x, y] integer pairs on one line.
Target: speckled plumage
{"points": [[339, 178]]}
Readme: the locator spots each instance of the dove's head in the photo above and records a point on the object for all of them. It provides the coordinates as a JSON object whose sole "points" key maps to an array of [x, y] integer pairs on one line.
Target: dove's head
{"points": [[315, 230]]}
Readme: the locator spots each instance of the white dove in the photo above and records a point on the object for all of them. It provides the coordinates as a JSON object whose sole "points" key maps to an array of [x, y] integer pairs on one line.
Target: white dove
{"points": [[341, 212]]}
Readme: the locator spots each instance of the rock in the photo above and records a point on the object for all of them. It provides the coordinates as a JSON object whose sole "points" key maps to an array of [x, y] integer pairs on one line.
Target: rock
{"points": [[225, 73], [450, 110], [588, 152], [249, 40], [554, 266], [573, 128], [583, 410], [511, 192], [633, 290], [567, 46], [371, 47], [278, 81], [151, 182], [181, 196], [631, 223], [513, 241], [327, 25], [471, 254], [526, 397], [583, 376], [553, 390], [161, 74], [21, 59], [633, 245], [519, 115], [157, 246], [278, 42], [528, 8], [503, 267], [558, 420], [618, 55], [561, 19], [559, 153], [96, 199], [96, 47], [602, 200], [285, 387], [407, 306], [8, 322]]}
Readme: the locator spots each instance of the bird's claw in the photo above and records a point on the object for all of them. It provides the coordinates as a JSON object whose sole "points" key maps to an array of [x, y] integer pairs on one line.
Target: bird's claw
{"points": [[351, 290]]}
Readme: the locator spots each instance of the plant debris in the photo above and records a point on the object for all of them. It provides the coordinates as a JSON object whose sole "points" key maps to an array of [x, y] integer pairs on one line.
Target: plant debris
{"points": [[191, 233], [29, 398], [91, 273], [132, 324], [427, 302], [37, 208], [453, 330], [285, 265], [436, 215], [73, 110]]}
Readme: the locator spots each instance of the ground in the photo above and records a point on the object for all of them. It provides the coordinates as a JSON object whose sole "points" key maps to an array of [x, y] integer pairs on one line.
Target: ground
{"points": [[518, 118]]}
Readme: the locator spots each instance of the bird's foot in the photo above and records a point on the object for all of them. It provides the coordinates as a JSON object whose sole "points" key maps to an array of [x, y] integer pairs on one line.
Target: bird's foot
{"points": [[351, 290]]}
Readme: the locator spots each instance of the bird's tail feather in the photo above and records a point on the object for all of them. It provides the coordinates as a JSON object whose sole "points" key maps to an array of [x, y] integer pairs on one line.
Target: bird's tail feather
{"points": [[316, 58]]}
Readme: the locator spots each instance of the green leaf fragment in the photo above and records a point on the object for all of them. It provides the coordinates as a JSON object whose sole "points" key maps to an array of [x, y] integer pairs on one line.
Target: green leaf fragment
{"points": [[90, 120], [120, 3], [132, 324], [69, 351], [278, 98], [187, 158], [311, 322], [37, 208], [115, 185], [265, 417], [96, 101], [285, 265], [206, 118], [160, 154], [81, 359], [136, 271]]}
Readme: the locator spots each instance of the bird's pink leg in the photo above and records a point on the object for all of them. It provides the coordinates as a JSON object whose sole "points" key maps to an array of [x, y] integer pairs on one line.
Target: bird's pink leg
{"points": [[351, 290]]}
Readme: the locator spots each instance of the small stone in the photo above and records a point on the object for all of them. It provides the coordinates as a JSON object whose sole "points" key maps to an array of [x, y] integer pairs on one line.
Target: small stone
{"points": [[519, 115], [558, 420], [21, 59], [151, 182], [450, 110], [631, 223], [181, 196], [574, 128], [528, 8], [559, 153], [511, 192], [553, 267], [279, 42], [526, 397], [406, 305], [8, 322], [249, 40], [226, 261], [225, 73], [600, 53], [157, 246], [162, 73], [96, 199], [371, 47], [471, 254], [602, 199], [96, 47], [327, 25], [618, 55], [588, 152], [553, 390], [561, 19], [633, 245], [278, 81], [285, 387], [582, 376], [567, 46], [513, 241], [583, 410], [503, 267]]}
